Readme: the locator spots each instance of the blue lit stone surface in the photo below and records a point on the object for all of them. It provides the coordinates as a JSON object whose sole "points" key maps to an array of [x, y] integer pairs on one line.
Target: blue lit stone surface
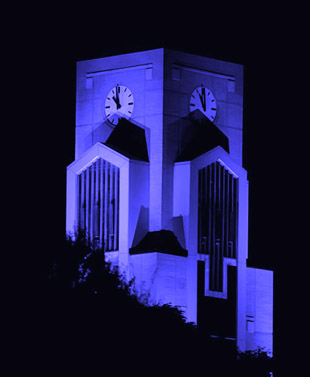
{"points": [[161, 192]]}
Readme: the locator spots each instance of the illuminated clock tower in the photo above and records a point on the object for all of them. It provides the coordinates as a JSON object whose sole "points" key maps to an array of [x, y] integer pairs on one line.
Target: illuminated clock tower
{"points": [[158, 182]]}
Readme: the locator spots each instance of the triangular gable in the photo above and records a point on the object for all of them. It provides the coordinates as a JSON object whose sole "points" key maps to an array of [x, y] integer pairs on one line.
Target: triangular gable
{"points": [[98, 150]]}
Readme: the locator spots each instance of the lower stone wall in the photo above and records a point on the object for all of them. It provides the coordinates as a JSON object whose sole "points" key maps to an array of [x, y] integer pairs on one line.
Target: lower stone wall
{"points": [[259, 309], [161, 277]]}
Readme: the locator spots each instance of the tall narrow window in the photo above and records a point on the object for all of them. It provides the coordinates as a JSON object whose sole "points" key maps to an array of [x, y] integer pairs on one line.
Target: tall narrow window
{"points": [[217, 219], [99, 203]]}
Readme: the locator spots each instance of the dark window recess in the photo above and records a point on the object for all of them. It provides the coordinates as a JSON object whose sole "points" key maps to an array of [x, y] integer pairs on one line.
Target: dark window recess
{"points": [[98, 206], [217, 218], [217, 316]]}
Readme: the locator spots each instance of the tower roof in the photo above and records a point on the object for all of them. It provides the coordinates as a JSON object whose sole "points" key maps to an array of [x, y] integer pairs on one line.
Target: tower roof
{"points": [[200, 135], [129, 140], [162, 241]]}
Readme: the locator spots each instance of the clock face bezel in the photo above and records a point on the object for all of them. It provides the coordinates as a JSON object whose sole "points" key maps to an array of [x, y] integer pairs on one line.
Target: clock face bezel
{"points": [[203, 99], [119, 102]]}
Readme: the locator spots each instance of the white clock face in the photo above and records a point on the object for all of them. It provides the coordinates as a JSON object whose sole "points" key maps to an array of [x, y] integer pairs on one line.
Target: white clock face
{"points": [[119, 102], [203, 99]]}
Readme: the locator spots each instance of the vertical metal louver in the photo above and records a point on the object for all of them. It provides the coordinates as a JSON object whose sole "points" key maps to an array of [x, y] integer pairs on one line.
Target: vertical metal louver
{"points": [[217, 218], [99, 203]]}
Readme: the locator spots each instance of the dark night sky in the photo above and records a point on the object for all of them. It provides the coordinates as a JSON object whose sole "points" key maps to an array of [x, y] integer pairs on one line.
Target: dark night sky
{"points": [[248, 40]]}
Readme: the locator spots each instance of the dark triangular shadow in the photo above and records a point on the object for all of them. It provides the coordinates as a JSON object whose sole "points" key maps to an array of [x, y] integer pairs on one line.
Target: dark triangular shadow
{"points": [[129, 139], [198, 136]]}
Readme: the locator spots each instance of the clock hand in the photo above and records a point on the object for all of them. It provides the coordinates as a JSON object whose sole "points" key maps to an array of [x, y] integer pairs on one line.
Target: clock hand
{"points": [[202, 102], [203, 98], [116, 100], [118, 106]]}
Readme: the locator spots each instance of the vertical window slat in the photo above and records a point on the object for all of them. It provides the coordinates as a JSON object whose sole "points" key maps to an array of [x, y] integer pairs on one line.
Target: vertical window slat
{"points": [[208, 199], [87, 204], [92, 194], [106, 180], [222, 209], [200, 201], [115, 246], [96, 205], [226, 213], [110, 216], [101, 202]]}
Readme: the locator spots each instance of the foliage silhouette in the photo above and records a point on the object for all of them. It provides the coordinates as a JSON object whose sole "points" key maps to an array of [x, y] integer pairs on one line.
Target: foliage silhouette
{"points": [[94, 313]]}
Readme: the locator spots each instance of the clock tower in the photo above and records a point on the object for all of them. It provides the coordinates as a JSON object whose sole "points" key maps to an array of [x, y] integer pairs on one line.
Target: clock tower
{"points": [[158, 182]]}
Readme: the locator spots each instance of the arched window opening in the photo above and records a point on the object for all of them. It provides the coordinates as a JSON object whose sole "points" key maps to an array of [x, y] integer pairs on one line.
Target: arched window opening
{"points": [[98, 207], [217, 219]]}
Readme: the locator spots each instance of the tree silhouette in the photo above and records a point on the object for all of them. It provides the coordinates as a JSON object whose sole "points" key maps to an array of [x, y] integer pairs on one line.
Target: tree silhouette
{"points": [[94, 313]]}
